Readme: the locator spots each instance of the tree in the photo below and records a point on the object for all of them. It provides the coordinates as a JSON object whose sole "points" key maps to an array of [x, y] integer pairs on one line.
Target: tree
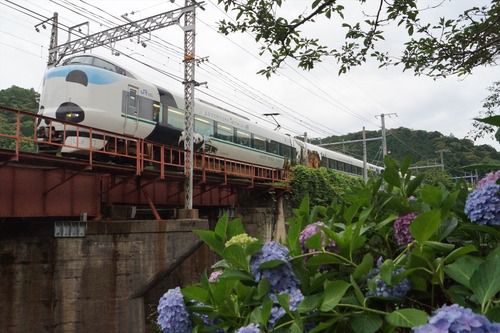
{"points": [[437, 49], [491, 107]]}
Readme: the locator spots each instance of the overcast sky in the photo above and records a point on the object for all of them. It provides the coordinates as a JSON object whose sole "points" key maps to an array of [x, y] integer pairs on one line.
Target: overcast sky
{"points": [[319, 102]]}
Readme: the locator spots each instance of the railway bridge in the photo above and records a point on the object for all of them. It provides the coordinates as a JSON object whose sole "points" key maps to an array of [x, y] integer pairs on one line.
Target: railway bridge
{"points": [[90, 242]]}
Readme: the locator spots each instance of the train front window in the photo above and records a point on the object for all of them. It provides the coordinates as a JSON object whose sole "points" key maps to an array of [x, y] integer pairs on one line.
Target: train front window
{"points": [[224, 132], [175, 117], [203, 126], [156, 112], [85, 60], [104, 65], [259, 143], [286, 151], [243, 138]]}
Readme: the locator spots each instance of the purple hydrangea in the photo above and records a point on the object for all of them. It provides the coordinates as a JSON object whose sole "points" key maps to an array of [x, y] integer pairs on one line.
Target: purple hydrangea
{"points": [[402, 229], [172, 314], [483, 205], [490, 178], [380, 288], [281, 277], [277, 311], [457, 319], [214, 276], [311, 230], [252, 328]]}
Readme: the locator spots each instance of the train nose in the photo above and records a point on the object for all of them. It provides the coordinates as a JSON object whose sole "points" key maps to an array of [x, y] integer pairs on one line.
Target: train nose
{"points": [[77, 76], [70, 112]]}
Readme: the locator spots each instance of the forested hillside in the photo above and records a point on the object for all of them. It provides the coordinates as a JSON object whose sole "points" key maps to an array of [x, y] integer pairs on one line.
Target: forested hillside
{"points": [[421, 145]]}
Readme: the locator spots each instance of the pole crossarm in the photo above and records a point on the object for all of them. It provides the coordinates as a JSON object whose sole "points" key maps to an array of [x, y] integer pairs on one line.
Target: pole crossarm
{"points": [[123, 31], [351, 141], [426, 166]]}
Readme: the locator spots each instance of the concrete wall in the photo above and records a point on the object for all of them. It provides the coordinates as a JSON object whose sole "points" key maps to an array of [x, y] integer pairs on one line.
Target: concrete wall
{"points": [[108, 281]]}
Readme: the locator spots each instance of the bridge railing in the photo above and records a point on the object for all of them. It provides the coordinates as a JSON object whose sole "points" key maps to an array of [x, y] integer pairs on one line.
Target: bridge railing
{"points": [[24, 132]]}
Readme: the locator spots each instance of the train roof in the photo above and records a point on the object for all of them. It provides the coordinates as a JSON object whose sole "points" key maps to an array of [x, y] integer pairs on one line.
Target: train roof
{"points": [[98, 61]]}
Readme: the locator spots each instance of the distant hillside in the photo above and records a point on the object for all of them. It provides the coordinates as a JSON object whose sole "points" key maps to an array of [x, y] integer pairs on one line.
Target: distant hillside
{"points": [[421, 146]]}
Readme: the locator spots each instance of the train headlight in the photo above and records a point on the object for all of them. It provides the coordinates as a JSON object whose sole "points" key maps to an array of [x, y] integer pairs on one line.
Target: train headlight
{"points": [[70, 112]]}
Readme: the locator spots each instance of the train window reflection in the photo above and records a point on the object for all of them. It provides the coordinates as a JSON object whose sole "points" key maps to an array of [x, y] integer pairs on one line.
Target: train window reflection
{"points": [[224, 132], [259, 143], [243, 138], [203, 126], [175, 118], [273, 147]]}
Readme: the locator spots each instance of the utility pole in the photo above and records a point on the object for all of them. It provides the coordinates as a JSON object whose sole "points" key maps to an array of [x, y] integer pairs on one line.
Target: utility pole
{"points": [[53, 38], [189, 84], [365, 164], [441, 151], [306, 154], [384, 138]]}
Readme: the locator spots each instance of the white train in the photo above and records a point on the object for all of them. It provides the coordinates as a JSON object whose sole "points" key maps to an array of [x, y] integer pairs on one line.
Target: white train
{"points": [[92, 91]]}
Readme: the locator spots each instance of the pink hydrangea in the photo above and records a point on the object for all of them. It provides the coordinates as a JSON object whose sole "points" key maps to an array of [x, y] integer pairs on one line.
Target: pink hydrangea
{"points": [[490, 178], [214, 277], [311, 230]]}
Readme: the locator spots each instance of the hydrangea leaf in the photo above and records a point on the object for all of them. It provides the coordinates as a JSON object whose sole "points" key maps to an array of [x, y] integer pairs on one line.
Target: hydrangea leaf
{"points": [[212, 240], [195, 293], [460, 252], [234, 228], [233, 274], [334, 291], [366, 323], [391, 176], [386, 271], [462, 269], [271, 264], [484, 281], [432, 195], [221, 227], [314, 242], [323, 259], [425, 225], [310, 303], [439, 247], [407, 318], [236, 256], [364, 267]]}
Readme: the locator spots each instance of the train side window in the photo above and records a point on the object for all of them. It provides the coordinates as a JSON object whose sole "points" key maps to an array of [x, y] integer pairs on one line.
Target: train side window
{"points": [[203, 126], [348, 168], [156, 112], [324, 161], [132, 101], [224, 132], [259, 143], [273, 147], [175, 117], [286, 151], [331, 163], [243, 137], [340, 166]]}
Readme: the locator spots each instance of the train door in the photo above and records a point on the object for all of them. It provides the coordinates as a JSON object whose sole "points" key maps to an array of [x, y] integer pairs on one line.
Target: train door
{"points": [[131, 112]]}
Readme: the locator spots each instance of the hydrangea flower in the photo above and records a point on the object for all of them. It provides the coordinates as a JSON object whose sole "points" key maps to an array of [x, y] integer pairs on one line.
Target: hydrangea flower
{"points": [[295, 297], [252, 328], [490, 178], [242, 239], [457, 319], [380, 288], [172, 314], [483, 205], [281, 277], [214, 276], [311, 230], [402, 229]]}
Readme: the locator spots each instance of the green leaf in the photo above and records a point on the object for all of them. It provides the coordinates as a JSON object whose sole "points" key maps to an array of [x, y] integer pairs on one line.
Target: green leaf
{"points": [[407, 318], [236, 256], [211, 239], [234, 228], [334, 291], [366, 323], [460, 252], [386, 271], [386, 221], [425, 225], [432, 195], [271, 264], [462, 269], [364, 267], [310, 303], [357, 291], [405, 164], [438, 246], [485, 281], [493, 120], [221, 227], [195, 293], [233, 274], [262, 288], [414, 184], [314, 242], [323, 259]]}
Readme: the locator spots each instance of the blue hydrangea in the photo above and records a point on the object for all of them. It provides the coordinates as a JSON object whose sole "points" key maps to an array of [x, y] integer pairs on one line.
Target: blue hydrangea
{"points": [[483, 205], [172, 314], [380, 288], [457, 319], [282, 277], [252, 328], [295, 297]]}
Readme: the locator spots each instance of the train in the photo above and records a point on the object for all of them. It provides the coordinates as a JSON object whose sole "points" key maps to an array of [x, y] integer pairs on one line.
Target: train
{"points": [[90, 90]]}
